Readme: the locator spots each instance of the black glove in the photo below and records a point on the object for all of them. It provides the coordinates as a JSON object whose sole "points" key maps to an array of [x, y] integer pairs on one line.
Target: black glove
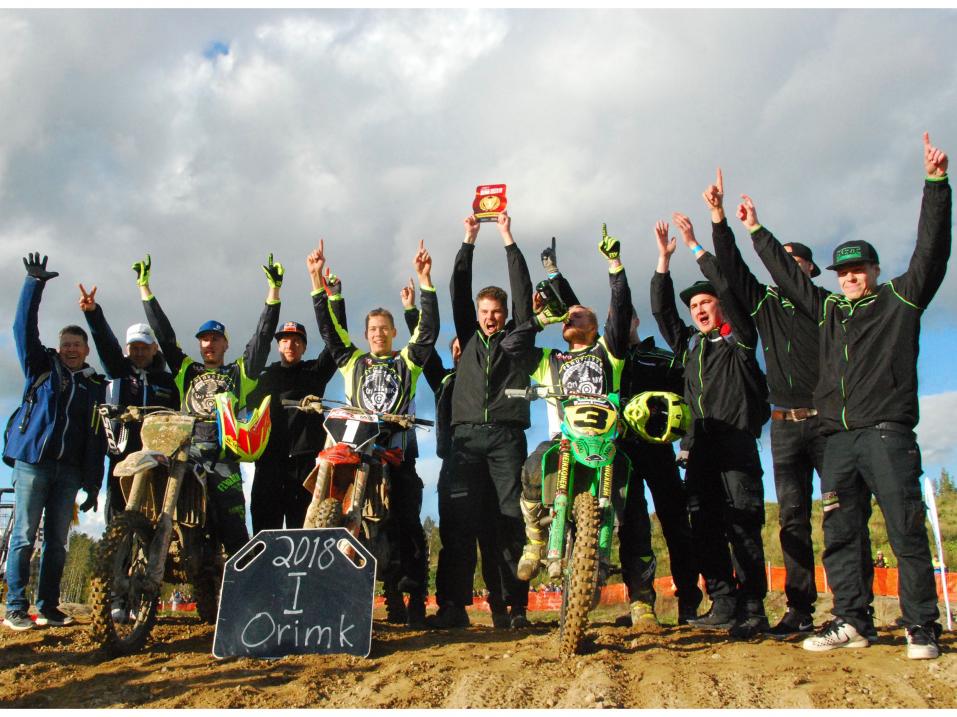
{"points": [[38, 269], [90, 501], [550, 259]]}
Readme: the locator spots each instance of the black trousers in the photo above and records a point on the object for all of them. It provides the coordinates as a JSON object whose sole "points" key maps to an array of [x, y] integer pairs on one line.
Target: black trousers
{"points": [[277, 493], [887, 463], [464, 502], [488, 455], [726, 506], [224, 485], [655, 464], [407, 535]]}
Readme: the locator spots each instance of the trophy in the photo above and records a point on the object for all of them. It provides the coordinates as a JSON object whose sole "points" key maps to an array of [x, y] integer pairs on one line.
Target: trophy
{"points": [[489, 202]]}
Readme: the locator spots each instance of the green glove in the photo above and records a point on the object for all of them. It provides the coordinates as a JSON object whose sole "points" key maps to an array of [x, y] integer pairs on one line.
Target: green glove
{"points": [[609, 246], [274, 272], [546, 317], [142, 269]]}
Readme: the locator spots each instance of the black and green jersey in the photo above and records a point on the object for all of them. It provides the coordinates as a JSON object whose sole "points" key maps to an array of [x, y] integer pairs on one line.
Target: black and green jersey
{"points": [[869, 347], [383, 384], [198, 385]]}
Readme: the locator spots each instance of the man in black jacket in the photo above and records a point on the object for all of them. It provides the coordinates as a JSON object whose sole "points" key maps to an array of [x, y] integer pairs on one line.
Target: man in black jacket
{"points": [[866, 397], [727, 393], [138, 378], [488, 429]]}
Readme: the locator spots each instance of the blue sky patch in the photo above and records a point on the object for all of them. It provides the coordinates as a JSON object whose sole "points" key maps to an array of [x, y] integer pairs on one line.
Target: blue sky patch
{"points": [[214, 49]]}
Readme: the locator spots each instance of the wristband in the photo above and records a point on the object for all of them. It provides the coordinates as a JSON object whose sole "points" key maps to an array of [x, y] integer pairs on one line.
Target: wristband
{"points": [[697, 251]]}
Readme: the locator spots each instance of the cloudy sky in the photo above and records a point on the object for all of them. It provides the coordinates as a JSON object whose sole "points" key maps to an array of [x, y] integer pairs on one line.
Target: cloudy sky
{"points": [[210, 139]]}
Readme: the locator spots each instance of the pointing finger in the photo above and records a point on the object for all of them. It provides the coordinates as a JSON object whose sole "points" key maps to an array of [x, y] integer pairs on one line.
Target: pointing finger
{"points": [[720, 181]]}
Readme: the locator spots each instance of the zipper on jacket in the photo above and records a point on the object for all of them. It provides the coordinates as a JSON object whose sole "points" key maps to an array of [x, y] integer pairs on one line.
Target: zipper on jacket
{"points": [[66, 414], [700, 374]]}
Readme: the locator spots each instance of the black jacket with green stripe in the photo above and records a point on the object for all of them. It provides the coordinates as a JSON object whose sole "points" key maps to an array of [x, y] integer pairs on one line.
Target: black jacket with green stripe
{"points": [[724, 384], [869, 347], [789, 337]]}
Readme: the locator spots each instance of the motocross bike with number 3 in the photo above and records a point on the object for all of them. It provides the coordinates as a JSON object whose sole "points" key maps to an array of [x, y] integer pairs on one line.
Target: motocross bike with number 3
{"points": [[578, 477], [162, 536], [350, 482]]}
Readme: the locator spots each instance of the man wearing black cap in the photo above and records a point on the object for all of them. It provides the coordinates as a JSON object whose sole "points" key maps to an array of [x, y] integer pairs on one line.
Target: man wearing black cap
{"points": [[727, 393], [790, 340], [867, 402], [199, 382]]}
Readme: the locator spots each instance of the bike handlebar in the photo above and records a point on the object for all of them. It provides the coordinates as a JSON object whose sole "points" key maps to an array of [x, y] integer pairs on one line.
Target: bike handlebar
{"points": [[314, 404]]}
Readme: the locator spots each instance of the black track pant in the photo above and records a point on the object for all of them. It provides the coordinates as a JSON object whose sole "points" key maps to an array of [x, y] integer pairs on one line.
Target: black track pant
{"points": [[655, 465], [224, 486], [278, 495], [887, 463], [482, 455], [406, 534], [726, 506]]}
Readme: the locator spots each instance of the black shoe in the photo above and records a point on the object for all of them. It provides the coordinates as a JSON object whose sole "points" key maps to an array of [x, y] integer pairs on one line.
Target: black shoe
{"points": [[748, 627], [416, 612], [500, 620], [52, 617], [686, 613], [922, 642], [448, 616], [793, 624], [517, 618], [395, 612], [720, 616]]}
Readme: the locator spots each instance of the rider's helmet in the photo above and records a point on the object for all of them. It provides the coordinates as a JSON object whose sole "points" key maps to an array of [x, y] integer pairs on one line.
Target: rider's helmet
{"points": [[658, 416], [245, 438]]}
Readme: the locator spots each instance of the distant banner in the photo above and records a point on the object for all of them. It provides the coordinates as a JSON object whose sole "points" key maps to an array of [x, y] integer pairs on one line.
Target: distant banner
{"points": [[489, 202]]}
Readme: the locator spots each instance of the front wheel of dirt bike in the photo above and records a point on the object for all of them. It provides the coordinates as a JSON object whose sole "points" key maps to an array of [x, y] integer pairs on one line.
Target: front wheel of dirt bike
{"points": [[581, 574], [329, 514], [124, 606]]}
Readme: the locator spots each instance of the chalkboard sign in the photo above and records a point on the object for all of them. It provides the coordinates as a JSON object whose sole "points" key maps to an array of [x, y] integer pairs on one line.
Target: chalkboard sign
{"points": [[294, 592]]}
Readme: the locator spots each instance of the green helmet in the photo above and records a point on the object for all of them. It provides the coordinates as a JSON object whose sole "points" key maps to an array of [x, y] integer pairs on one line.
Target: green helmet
{"points": [[658, 416]]}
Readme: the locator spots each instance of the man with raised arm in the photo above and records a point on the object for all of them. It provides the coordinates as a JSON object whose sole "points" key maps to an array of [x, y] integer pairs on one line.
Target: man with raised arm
{"points": [[383, 380], [488, 429], [137, 378], [727, 393], [866, 397], [55, 448], [198, 382], [647, 368]]}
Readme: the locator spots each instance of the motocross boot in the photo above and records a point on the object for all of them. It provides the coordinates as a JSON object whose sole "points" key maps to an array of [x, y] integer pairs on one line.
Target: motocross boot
{"points": [[395, 611], [643, 617], [720, 616], [531, 561], [416, 610]]}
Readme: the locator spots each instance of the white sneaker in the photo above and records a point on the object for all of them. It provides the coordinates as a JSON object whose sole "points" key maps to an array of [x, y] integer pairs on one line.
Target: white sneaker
{"points": [[922, 643], [834, 634], [120, 615]]}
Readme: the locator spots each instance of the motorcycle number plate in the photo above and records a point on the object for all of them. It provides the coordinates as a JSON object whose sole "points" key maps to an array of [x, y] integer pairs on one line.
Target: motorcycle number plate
{"points": [[296, 592], [350, 429], [594, 418]]}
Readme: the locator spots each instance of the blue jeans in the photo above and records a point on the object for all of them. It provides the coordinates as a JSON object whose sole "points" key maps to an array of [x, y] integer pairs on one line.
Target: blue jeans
{"points": [[48, 488]]}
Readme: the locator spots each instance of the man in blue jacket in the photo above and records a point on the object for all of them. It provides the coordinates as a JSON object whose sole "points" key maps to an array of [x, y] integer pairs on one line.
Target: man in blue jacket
{"points": [[55, 448]]}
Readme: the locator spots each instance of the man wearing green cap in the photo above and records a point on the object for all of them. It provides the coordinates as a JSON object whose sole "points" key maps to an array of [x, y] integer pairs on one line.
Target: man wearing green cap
{"points": [[199, 382], [867, 401], [727, 393]]}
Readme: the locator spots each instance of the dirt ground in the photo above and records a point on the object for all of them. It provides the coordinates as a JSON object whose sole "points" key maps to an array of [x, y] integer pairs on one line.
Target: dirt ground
{"points": [[478, 667]]}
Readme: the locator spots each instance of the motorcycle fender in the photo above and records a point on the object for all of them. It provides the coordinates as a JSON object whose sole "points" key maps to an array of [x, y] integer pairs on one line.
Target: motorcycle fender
{"points": [[310, 483], [139, 461]]}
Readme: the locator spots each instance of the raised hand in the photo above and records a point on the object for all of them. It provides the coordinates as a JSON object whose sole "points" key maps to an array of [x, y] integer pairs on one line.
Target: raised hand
{"points": [[333, 283], [666, 246], [935, 161], [274, 272], [687, 231], [316, 260], [747, 213], [407, 294], [422, 261], [87, 299], [714, 197], [142, 269], [37, 268], [550, 259], [471, 228], [504, 222], [609, 246]]}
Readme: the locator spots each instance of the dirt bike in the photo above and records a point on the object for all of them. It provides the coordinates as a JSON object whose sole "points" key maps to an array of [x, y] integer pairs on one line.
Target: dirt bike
{"points": [[577, 478], [162, 536], [350, 483]]}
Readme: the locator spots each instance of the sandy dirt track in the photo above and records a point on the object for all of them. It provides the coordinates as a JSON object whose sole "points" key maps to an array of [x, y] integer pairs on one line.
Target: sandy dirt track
{"points": [[477, 667]]}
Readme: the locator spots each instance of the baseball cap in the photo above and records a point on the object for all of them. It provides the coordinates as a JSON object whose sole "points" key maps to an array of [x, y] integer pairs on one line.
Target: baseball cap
{"points": [[291, 327], [804, 252], [211, 327], [140, 333], [699, 287], [854, 252]]}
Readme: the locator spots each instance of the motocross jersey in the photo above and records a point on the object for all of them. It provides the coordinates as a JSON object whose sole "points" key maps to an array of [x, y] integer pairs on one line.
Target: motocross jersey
{"points": [[198, 385], [381, 384]]}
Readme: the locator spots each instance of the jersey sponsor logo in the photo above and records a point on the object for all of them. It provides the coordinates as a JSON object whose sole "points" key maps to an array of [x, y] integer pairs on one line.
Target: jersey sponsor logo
{"points": [[583, 374], [200, 396], [379, 386]]}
